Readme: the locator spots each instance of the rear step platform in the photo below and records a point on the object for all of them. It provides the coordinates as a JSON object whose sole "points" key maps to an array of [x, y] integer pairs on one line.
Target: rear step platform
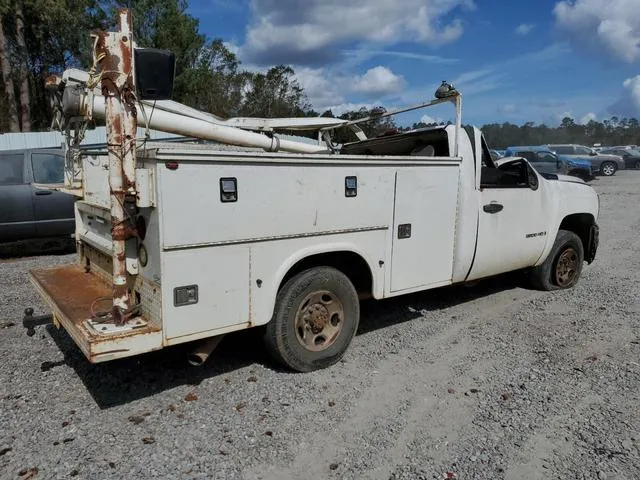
{"points": [[71, 292]]}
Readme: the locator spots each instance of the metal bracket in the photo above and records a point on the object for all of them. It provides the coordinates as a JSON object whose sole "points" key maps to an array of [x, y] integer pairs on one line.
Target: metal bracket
{"points": [[30, 322], [103, 328]]}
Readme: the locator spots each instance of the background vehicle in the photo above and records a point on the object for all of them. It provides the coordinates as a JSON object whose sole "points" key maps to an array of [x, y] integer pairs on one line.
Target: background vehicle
{"points": [[496, 154], [545, 161], [631, 156], [30, 208], [606, 165]]}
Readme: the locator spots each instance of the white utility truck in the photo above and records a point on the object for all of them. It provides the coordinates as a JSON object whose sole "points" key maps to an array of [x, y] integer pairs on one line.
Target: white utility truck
{"points": [[181, 242]]}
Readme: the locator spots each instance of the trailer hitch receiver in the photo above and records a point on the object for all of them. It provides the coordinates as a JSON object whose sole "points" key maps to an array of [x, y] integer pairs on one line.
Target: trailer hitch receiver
{"points": [[30, 322]]}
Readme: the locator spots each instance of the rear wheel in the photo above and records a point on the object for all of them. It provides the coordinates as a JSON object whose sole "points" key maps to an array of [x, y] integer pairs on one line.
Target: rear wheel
{"points": [[316, 316], [563, 266], [608, 168]]}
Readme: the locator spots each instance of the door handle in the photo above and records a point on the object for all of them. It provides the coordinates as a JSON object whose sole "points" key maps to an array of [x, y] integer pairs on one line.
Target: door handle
{"points": [[43, 192], [492, 207]]}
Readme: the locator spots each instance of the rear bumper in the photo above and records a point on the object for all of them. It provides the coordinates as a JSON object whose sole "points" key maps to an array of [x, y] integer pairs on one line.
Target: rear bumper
{"points": [[71, 293]]}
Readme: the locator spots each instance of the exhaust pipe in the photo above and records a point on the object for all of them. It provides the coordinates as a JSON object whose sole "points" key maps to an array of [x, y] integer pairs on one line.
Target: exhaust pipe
{"points": [[200, 354]]}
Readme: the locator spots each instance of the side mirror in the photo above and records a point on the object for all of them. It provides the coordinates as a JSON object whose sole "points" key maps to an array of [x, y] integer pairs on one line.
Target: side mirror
{"points": [[593, 153]]}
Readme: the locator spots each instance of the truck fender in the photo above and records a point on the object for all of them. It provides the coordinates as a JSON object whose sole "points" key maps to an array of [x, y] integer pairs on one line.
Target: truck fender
{"points": [[377, 274], [553, 233]]}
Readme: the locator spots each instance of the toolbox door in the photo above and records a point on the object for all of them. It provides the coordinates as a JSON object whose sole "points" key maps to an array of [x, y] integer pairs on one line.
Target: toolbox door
{"points": [[424, 226]]}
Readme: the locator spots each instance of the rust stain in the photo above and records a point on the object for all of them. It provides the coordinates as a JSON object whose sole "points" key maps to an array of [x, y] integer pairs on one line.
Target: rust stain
{"points": [[126, 55], [123, 231], [70, 292], [52, 81], [73, 289]]}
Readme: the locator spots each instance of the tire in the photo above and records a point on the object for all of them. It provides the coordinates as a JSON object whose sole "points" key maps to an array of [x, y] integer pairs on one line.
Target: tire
{"points": [[637, 165], [608, 169], [316, 316], [554, 275]]}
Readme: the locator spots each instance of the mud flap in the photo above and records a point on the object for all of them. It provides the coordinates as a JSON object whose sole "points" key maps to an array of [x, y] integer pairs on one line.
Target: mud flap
{"points": [[592, 245]]}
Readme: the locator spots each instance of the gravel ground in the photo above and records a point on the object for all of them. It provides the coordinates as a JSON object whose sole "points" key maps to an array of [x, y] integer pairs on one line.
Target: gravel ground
{"points": [[490, 382]]}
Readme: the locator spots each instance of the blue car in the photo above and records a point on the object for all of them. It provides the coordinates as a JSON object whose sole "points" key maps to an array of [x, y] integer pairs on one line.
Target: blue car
{"points": [[545, 161]]}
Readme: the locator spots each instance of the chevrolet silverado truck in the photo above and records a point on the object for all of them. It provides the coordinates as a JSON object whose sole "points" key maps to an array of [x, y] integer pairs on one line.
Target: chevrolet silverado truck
{"points": [[184, 242]]}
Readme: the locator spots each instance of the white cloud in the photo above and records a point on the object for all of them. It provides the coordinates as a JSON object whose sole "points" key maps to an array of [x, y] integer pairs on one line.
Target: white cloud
{"points": [[610, 24], [303, 33], [508, 109], [232, 47], [378, 81], [560, 116], [429, 120], [327, 89], [321, 86], [633, 89], [363, 53], [628, 104], [338, 110], [471, 76], [588, 117], [524, 28]]}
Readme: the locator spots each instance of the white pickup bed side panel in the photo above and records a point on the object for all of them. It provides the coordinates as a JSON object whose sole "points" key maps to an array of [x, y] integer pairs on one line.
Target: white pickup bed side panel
{"points": [[222, 277], [270, 262], [229, 297], [274, 201], [284, 213], [426, 199]]}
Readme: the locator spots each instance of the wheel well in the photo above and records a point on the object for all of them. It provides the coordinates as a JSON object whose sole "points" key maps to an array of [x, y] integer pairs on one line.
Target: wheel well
{"points": [[351, 264], [580, 224], [609, 162]]}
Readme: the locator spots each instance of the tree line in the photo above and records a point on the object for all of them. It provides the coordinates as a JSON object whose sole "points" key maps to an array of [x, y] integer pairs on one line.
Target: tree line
{"points": [[43, 37]]}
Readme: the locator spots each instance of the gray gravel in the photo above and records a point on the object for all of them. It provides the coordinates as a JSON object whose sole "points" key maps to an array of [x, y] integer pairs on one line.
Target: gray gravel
{"points": [[491, 382]]}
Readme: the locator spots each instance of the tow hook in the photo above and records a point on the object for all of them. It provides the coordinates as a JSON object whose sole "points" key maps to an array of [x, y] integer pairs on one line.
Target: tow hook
{"points": [[30, 322]]}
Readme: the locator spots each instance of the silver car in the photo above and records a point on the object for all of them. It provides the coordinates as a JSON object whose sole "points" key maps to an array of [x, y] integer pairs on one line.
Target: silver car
{"points": [[606, 165]]}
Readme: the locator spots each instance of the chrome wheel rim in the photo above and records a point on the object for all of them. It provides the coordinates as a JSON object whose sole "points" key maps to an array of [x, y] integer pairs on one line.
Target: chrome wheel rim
{"points": [[608, 170]]}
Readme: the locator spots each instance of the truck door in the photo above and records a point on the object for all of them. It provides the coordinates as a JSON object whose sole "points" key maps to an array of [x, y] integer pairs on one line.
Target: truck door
{"points": [[16, 208], [53, 210], [512, 221]]}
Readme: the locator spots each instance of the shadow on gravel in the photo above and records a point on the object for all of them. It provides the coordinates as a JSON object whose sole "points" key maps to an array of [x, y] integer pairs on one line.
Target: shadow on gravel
{"points": [[122, 381], [34, 248], [381, 314]]}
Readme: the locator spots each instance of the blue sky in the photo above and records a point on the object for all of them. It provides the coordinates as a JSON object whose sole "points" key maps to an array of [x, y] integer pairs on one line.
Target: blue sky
{"points": [[516, 61]]}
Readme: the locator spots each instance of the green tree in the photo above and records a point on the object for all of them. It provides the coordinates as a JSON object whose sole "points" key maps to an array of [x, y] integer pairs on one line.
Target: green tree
{"points": [[40, 37], [276, 93]]}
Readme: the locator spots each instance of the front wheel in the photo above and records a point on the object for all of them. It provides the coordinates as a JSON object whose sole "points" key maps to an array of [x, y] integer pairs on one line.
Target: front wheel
{"points": [[563, 265], [316, 316], [607, 169]]}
